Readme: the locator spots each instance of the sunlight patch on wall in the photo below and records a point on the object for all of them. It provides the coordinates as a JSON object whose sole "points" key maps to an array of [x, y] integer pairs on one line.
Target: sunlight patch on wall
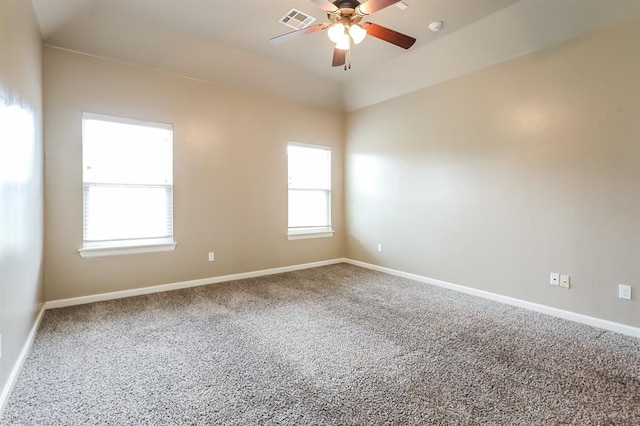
{"points": [[17, 133], [371, 179]]}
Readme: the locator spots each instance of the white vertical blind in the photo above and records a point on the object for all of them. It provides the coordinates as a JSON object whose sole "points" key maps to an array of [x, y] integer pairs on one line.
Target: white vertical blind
{"points": [[309, 188], [127, 181]]}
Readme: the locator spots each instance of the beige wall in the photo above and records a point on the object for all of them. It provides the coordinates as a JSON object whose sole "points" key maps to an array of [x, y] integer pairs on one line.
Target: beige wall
{"points": [[21, 190], [230, 175], [495, 179]]}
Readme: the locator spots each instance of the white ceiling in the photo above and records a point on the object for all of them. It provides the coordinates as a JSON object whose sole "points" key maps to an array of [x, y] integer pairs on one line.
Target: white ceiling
{"points": [[228, 42]]}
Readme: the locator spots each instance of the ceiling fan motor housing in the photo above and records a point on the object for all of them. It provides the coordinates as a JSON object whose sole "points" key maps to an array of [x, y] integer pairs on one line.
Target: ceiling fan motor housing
{"points": [[346, 4], [346, 14], [345, 19]]}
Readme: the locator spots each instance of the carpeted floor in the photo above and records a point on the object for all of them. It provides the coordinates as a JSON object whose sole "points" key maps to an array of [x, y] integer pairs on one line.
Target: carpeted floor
{"points": [[331, 345]]}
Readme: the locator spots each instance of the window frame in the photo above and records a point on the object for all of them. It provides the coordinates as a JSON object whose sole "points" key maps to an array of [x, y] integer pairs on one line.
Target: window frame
{"points": [[125, 246], [310, 231]]}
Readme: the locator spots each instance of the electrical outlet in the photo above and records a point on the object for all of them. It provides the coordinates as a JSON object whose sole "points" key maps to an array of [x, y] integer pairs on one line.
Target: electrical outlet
{"points": [[379, 248], [554, 278], [624, 291], [212, 256], [565, 280]]}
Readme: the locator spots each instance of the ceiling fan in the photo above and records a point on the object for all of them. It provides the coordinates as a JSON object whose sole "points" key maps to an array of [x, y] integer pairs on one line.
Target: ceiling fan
{"points": [[345, 26]]}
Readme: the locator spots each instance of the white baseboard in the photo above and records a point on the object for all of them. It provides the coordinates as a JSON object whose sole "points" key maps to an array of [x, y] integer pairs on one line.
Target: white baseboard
{"points": [[17, 367], [572, 316], [568, 315], [61, 303]]}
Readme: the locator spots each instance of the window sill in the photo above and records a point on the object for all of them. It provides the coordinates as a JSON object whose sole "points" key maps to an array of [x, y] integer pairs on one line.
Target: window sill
{"points": [[120, 250], [309, 234]]}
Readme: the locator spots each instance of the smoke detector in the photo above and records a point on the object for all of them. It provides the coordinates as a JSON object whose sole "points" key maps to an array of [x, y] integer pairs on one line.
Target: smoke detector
{"points": [[436, 26]]}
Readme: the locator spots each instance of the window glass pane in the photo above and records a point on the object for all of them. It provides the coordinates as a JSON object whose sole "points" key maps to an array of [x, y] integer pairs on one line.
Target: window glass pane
{"points": [[126, 212], [126, 153], [309, 167], [127, 177], [309, 188], [308, 209]]}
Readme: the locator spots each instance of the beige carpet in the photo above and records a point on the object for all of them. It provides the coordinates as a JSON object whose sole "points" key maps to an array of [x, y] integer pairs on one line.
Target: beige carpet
{"points": [[331, 345]]}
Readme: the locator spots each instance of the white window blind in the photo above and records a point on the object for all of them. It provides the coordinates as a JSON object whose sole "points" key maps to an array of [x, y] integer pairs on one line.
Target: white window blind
{"points": [[309, 188], [127, 182]]}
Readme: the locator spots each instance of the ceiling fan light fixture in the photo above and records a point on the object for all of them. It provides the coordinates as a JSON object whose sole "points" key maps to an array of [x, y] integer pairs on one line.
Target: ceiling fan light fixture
{"points": [[344, 42], [336, 32], [357, 33], [345, 28]]}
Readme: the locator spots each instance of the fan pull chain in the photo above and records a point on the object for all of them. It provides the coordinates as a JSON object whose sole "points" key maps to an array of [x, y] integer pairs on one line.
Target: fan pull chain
{"points": [[347, 60]]}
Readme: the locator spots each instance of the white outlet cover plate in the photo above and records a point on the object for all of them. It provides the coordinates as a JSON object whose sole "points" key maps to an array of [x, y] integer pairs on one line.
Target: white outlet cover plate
{"points": [[624, 291], [565, 281], [554, 278]]}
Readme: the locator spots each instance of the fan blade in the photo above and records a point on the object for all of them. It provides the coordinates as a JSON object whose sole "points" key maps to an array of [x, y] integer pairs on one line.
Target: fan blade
{"points": [[372, 6], [296, 34], [388, 35], [326, 5], [339, 57]]}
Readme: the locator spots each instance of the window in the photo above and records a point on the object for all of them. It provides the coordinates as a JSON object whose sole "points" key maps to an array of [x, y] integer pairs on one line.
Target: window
{"points": [[127, 185], [309, 191]]}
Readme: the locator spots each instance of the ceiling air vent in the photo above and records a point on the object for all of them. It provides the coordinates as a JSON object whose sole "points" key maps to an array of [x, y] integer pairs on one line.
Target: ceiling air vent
{"points": [[296, 19]]}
